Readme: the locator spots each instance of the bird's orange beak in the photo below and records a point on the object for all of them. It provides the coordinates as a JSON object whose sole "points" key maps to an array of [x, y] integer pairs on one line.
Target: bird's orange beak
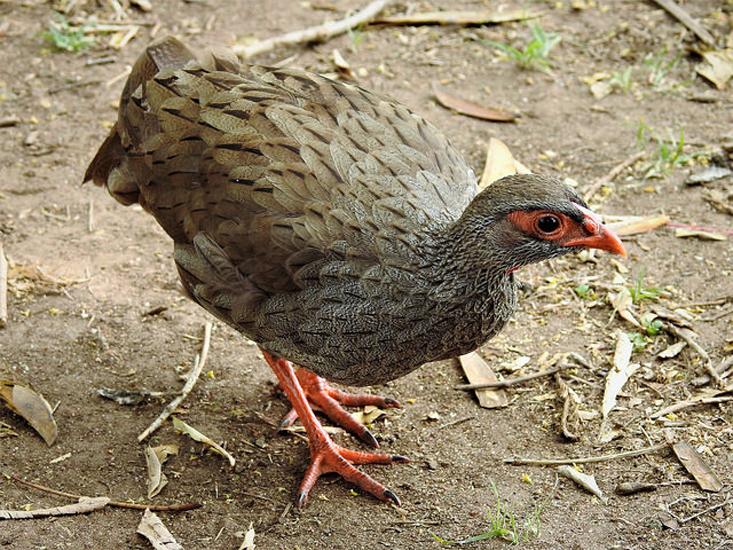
{"points": [[599, 236]]}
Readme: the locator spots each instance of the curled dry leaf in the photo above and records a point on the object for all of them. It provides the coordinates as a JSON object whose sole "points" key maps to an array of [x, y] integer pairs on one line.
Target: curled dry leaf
{"points": [[156, 478], [673, 350], [32, 407], [196, 435], [153, 529], [620, 372], [84, 506], [249, 539], [588, 482], [632, 225], [469, 108], [368, 415], [692, 461], [717, 67]]}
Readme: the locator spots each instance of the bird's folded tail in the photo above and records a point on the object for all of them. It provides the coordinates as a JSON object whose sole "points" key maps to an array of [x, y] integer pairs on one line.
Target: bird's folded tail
{"points": [[110, 167]]}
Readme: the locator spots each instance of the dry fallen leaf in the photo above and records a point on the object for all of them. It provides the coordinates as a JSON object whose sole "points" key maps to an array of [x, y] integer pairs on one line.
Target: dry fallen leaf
{"points": [[693, 463], [682, 232], [620, 372], [24, 402], [156, 478], [588, 482], [368, 415], [478, 371], [196, 435], [499, 163], [717, 67], [631, 225], [249, 539], [153, 529], [469, 108]]}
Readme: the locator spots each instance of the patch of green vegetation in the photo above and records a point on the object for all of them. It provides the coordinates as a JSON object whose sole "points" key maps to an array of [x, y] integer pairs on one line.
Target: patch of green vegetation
{"points": [[653, 327], [638, 340], [668, 154], [660, 67], [534, 56], [356, 35], [64, 37], [640, 293], [585, 292], [622, 80], [504, 524]]}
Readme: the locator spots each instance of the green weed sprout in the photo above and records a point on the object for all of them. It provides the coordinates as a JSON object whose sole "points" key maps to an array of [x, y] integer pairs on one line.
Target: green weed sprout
{"points": [[535, 54], [64, 37]]}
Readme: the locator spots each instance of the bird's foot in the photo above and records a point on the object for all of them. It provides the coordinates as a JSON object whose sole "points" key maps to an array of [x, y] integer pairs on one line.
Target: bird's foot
{"points": [[330, 401], [326, 456]]}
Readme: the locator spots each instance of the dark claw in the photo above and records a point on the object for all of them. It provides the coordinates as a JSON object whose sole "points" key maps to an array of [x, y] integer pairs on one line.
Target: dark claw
{"points": [[389, 495], [389, 402], [300, 502], [369, 439], [400, 458]]}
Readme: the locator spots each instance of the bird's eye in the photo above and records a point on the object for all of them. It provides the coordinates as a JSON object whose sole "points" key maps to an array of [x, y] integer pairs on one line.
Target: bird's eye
{"points": [[548, 224]]}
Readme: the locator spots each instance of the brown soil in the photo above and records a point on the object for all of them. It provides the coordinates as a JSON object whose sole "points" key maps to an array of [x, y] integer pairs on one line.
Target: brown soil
{"points": [[68, 340]]}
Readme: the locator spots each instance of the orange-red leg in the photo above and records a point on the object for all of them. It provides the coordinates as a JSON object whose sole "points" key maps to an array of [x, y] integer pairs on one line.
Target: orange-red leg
{"points": [[329, 400], [326, 456]]}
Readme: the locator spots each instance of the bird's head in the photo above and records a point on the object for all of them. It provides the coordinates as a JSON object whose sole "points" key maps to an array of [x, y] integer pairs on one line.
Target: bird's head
{"points": [[526, 218]]}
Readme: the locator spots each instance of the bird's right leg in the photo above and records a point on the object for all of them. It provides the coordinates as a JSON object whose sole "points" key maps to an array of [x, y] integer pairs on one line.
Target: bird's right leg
{"points": [[326, 456], [331, 401]]}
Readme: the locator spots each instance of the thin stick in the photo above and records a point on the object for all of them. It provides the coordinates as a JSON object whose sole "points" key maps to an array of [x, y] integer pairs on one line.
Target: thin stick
{"points": [[193, 376], [705, 511], [510, 381], [585, 460], [687, 404], [318, 33], [458, 421], [685, 334], [683, 17], [128, 505], [615, 171], [3, 288]]}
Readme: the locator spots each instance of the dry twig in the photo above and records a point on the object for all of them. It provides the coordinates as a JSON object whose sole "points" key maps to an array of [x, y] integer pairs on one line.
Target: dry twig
{"points": [[116, 504], [683, 17], [318, 33], [690, 403], [615, 171], [584, 460], [687, 336], [511, 381], [193, 376], [84, 506]]}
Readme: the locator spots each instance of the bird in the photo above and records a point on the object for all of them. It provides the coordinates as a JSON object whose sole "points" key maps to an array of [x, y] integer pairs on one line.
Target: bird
{"points": [[333, 226]]}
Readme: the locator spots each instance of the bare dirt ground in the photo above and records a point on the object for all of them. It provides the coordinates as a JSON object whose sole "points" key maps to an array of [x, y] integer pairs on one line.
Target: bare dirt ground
{"points": [[85, 324]]}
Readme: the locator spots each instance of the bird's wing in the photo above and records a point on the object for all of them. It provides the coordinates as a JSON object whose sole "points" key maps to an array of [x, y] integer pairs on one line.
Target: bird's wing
{"points": [[279, 168]]}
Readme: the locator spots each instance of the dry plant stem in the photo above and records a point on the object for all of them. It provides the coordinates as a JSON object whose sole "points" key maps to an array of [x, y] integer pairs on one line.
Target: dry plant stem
{"points": [[707, 362], [585, 460], [683, 17], [566, 406], [128, 505], [318, 33], [615, 171], [3, 288], [687, 404], [510, 381], [190, 383], [705, 511]]}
